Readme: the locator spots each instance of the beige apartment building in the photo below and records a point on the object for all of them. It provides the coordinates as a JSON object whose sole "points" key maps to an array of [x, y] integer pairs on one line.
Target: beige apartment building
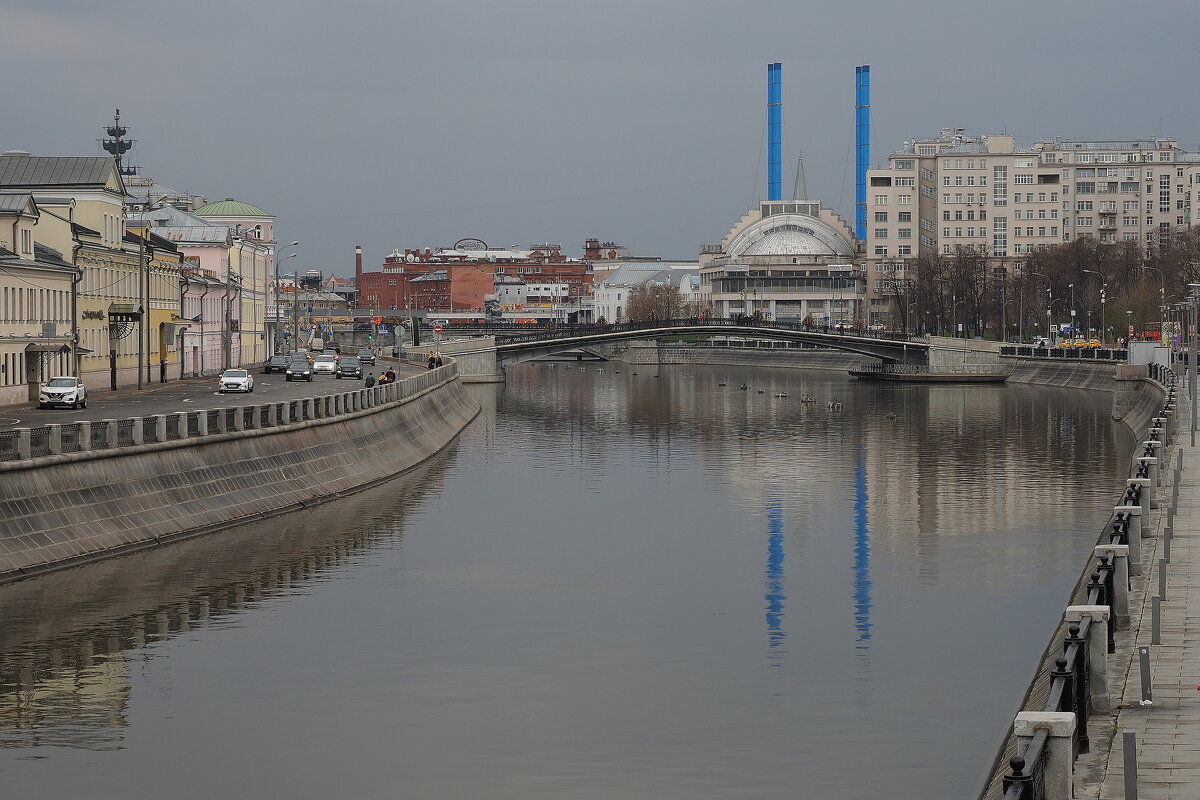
{"points": [[953, 192]]}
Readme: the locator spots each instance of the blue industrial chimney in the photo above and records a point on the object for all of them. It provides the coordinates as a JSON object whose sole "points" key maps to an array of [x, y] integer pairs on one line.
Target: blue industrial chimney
{"points": [[862, 147], [774, 132]]}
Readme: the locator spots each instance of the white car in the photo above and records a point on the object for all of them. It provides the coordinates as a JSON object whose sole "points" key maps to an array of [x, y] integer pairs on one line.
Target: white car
{"points": [[325, 365], [235, 380], [63, 391]]}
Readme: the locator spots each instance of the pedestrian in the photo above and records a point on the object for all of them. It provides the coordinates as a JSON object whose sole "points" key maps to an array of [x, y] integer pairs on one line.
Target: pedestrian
{"points": [[438, 360], [431, 360], [370, 379], [390, 375]]}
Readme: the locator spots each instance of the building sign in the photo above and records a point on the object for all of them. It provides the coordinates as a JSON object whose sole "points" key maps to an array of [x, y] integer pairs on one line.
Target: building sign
{"points": [[92, 315]]}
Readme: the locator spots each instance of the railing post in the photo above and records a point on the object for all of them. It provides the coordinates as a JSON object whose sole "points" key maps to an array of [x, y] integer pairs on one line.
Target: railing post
{"points": [[137, 433], [85, 436], [54, 439], [1151, 476], [201, 423], [239, 418], [1060, 750], [24, 444], [1119, 602], [110, 433], [272, 416], [1133, 538], [1097, 647]]}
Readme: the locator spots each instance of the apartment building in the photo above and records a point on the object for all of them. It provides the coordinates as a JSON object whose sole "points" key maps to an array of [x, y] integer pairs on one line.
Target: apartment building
{"points": [[953, 192]]}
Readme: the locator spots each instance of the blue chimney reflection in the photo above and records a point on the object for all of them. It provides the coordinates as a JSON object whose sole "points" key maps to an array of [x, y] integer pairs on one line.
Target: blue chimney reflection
{"points": [[774, 572], [862, 558]]}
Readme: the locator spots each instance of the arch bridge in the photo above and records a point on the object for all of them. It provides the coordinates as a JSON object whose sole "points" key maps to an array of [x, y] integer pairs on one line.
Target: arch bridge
{"points": [[512, 347]]}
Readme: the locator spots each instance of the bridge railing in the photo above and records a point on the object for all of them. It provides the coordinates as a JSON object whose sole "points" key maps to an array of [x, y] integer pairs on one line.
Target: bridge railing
{"points": [[1082, 353], [1075, 678], [567, 331], [47, 441]]}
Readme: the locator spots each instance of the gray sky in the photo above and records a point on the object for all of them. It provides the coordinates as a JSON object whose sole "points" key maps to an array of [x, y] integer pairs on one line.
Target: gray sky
{"points": [[414, 124]]}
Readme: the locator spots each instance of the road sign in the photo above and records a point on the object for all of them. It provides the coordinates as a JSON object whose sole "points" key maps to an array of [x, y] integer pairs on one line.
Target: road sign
{"points": [[437, 328]]}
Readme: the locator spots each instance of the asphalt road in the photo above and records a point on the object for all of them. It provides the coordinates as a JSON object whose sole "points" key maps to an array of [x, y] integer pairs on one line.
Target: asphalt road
{"points": [[187, 395]]}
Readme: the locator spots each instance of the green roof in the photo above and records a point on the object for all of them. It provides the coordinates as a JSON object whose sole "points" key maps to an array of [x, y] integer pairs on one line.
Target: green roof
{"points": [[230, 208]]}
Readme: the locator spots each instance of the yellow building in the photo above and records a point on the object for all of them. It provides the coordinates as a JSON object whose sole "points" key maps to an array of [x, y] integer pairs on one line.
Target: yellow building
{"points": [[88, 193]]}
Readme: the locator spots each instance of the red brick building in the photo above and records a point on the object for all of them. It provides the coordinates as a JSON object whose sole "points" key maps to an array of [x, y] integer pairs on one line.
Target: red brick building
{"points": [[458, 278]]}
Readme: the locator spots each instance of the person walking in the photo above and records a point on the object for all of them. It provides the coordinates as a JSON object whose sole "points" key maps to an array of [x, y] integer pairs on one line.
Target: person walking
{"points": [[390, 375], [438, 360], [370, 381], [431, 360]]}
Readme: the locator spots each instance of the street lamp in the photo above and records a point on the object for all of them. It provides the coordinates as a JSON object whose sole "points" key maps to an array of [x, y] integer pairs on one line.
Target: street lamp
{"points": [[1162, 294], [1103, 288], [1049, 301], [953, 304], [277, 294]]}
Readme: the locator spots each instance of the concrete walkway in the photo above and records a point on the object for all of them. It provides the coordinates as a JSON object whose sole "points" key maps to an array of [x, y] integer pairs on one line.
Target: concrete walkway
{"points": [[1168, 730]]}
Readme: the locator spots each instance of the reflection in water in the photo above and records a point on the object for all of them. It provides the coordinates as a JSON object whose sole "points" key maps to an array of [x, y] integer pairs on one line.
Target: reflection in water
{"points": [[862, 557], [71, 639], [774, 583], [578, 607]]}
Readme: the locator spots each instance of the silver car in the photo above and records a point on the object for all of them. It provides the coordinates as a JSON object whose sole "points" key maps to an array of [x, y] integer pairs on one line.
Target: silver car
{"points": [[325, 365], [235, 380]]}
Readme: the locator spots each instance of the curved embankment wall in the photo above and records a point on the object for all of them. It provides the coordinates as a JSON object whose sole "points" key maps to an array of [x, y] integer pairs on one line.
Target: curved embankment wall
{"points": [[68, 510]]}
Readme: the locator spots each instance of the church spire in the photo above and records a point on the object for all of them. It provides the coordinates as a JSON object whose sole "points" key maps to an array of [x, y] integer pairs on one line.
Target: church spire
{"points": [[800, 193]]}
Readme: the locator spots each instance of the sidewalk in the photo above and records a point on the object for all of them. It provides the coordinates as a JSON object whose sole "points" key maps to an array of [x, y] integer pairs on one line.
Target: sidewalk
{"points": [[1168, 731]]}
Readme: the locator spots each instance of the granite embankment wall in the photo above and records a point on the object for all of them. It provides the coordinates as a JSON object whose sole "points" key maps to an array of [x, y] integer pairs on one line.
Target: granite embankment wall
{"points": [[63, 510], [771, 354]]}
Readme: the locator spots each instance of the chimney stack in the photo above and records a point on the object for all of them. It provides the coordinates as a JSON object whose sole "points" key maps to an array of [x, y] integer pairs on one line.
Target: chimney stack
{"points": [[774, 131], [357, 265]]}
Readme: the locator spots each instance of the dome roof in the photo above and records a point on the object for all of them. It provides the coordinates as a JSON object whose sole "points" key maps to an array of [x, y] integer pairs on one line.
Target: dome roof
{"points": [[789, 235], [230, 208]]}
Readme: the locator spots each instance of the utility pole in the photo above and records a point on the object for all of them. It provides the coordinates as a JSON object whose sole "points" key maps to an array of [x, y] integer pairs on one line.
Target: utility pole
{"points": [[142, 301]]}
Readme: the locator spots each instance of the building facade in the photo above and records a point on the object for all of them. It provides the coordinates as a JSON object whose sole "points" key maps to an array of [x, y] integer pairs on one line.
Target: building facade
{"points": [[954, 193], [791, 261]]}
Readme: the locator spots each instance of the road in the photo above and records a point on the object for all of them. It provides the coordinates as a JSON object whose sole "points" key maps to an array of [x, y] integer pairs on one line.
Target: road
{"points": [[185, 395]]}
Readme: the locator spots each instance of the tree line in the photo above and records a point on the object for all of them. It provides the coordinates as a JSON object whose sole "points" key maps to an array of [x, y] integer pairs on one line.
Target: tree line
{"points": [[1109, 285]]}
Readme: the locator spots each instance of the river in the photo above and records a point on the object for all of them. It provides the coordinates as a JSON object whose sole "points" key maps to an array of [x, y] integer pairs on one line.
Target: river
{"points": [[620, 582]]}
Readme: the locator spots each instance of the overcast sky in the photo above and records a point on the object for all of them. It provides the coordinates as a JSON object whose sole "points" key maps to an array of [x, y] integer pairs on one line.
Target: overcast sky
{"points": [[414, 124]]}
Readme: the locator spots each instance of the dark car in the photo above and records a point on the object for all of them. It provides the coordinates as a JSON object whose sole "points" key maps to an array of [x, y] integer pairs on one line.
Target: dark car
{"points": [[367, 356], [299, 370], [276, 364], [349, 367]]}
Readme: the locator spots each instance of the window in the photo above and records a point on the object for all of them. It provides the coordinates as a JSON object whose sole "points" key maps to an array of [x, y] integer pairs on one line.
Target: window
{"points": [[926, 174], [1024, 162], [904, 200], [880, 250], [1000, 235], [906, 181], [881, 199], [1022, 179], [945, 180], [904, 216], [905, 233], [946, 232], [1083, 205], [881, 233], [905, 250], [946, 215], [881, 216], [1000, 187], [958, 180], [958, 214], [958, 231]]}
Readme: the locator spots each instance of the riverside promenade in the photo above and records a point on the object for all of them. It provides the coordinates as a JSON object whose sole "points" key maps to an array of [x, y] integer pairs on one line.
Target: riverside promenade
{"points": [[1167, 731]]}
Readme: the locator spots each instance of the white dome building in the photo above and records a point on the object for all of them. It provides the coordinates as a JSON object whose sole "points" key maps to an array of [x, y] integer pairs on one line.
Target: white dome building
{"points": [[786, 261]]}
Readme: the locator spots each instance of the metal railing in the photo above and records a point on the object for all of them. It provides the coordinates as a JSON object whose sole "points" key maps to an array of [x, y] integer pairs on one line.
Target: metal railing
{"points": [[1083, 353], [1068, 686], [48, 441]]}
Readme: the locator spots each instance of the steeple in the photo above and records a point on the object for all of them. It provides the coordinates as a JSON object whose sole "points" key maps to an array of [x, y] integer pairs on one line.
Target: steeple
{"points": [[799, 192]]}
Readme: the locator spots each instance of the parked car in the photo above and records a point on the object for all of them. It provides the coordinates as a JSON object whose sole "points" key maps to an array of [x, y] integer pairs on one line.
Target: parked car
{"points": [[349, 367], [299, 370], [63, 391], [366, 355], [325, 365], [276, 364], [235, 380]]}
